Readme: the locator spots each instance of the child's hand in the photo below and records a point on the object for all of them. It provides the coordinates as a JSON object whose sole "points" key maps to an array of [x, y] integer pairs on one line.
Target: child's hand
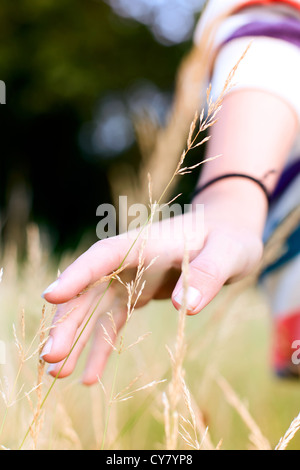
{"points": [[231, 250]]}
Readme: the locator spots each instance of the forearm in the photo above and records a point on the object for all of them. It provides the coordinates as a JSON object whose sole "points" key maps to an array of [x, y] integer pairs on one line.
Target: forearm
{"points": [[254, 135]]}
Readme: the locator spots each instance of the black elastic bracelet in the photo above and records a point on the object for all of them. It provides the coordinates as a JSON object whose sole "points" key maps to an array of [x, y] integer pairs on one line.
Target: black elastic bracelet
{"points": [[232, 175]]}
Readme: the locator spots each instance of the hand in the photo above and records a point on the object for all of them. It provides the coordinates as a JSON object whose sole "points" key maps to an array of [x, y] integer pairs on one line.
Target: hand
{"points": [[230, 251]]}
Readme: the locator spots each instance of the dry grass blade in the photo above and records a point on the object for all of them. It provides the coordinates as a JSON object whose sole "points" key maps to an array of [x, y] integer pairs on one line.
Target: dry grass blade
{"points": [[189, 169], [138, 341], [104, 279], [108, 338], [289, 435], [102, 386], [197, 423], [112, 322], [207, 121], [190, 429], [18, 345], [192, 130], [4, 392], [124, 397], [256, 437], [219, 445], [128, 387], [167, 423], [173, 396], [180, 347], [68, 434], [38, 413]]}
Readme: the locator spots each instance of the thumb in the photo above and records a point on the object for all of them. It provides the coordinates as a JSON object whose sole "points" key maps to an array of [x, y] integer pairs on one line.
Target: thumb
{"points": [[221, 259]]}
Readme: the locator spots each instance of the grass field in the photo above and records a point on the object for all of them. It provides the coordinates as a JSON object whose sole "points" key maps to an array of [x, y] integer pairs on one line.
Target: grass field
{"points": [[233, 400]]}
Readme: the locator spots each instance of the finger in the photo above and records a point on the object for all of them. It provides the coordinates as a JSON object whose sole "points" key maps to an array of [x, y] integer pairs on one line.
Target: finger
{"points": [[106, 331], [68, 319], [66, 366], [221, 259], [100, 260]]}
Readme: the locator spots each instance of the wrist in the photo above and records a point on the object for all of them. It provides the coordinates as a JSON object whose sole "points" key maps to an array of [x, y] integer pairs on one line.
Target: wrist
{"points": [[237, 201]]}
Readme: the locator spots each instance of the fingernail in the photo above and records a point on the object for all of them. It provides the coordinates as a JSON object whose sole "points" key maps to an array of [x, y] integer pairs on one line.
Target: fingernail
{"points": [[193, 298], [47, 348], [51, 288], [51, 368]]}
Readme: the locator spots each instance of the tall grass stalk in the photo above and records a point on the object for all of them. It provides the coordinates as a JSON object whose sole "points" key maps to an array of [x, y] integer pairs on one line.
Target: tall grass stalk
{"points": [[289, 435], [25, 354]]}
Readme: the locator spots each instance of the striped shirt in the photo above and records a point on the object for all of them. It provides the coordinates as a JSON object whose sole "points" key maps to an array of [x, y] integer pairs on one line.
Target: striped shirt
{"points": [[271, 64]]}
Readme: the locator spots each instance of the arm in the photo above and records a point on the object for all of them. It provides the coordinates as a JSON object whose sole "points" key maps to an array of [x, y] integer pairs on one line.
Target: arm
{"points": [[254, 134]]}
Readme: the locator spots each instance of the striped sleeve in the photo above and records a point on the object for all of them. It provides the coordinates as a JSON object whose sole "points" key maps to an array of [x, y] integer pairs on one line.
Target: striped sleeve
{"points": [[273, 60]]}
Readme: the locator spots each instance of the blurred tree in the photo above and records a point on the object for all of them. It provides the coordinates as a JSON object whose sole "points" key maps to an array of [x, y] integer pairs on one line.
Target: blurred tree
{"points": [[58, 59]]}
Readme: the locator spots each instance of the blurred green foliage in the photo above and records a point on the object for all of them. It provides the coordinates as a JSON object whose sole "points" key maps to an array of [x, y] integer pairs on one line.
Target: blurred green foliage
{"points": [[58, 59]]}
